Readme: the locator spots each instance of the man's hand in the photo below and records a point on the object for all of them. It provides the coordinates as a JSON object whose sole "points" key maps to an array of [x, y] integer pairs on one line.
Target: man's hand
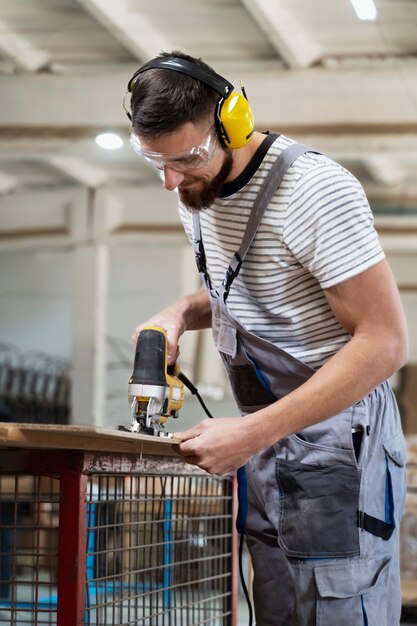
{"points": [[173, 323], [189, 313], [218, 446]]}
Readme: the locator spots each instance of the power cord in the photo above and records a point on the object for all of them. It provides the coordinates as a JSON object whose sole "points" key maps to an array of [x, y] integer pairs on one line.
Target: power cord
{"points": [[242, 500], [182, 377]]}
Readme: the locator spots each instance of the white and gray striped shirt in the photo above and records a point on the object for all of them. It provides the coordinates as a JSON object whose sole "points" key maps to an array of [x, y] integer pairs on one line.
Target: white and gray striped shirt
{"points": [[316, 232]]}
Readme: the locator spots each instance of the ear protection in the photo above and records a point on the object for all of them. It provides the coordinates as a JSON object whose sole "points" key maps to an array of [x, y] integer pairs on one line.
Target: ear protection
{"points": [[234, 118]]}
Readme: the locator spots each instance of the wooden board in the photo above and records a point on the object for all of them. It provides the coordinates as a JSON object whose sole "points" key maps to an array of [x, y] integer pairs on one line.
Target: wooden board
{"points": [[52, 436]]}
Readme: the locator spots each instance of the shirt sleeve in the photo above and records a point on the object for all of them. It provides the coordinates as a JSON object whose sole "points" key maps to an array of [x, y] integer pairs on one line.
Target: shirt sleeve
{"points": [[329, 225]]}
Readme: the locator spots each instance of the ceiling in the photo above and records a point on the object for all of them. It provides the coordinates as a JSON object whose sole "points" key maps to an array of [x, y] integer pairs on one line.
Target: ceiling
{"points": [[311, 68]]}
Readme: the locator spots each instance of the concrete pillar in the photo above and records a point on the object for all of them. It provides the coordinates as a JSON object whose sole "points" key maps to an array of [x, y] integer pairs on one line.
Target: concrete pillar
{"points": [[89, 333]]}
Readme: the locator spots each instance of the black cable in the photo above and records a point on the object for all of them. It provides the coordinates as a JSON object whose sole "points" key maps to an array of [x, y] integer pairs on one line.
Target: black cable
{"points": [[182, 377], [242, 580]]}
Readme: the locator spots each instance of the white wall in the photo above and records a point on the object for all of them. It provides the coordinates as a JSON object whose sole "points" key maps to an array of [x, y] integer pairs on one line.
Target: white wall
{"points": [[35, 297], [36, 310]]}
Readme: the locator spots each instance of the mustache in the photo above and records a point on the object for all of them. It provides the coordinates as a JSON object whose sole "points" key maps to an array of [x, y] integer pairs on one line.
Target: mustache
{"points": [[191, 181], [195, 201]]}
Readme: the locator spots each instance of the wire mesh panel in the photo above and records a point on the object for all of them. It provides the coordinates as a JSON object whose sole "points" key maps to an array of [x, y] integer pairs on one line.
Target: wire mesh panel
{"points": [[28, 549], [95, 540], [159, 550]]}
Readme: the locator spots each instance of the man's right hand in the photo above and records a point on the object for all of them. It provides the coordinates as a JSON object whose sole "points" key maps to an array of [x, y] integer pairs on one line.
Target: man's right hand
{"points": [[173, 322], [192, 312]]}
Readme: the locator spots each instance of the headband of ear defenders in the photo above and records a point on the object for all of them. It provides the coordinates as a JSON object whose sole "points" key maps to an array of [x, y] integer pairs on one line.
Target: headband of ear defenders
{"points": [[213, 80], [234, 118]]}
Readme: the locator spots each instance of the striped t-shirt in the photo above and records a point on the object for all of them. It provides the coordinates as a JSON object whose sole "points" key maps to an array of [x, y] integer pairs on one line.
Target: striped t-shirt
{"points": [[316, 232]]}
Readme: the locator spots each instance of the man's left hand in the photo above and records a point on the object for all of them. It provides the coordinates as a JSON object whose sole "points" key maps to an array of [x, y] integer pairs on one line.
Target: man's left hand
{"points": [[218, 446]]}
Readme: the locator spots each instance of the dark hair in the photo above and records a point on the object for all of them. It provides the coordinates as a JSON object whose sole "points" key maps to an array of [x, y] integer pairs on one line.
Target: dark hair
{"points": [[163, 100]]}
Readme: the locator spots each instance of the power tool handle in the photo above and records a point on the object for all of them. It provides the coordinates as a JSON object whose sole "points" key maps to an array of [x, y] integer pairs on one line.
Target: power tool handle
{"points": [[149, 366]]}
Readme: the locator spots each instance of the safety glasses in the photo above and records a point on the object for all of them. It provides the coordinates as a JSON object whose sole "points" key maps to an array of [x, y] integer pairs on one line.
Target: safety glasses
{"points": [[191, 159]]}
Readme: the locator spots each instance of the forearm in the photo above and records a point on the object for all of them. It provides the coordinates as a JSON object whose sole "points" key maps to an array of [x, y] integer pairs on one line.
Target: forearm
{"points": [[196, 310], [352, 373], [192, 312]]}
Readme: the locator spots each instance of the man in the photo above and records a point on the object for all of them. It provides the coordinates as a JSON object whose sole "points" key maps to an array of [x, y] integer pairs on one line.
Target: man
{"points": [[308, 321]]}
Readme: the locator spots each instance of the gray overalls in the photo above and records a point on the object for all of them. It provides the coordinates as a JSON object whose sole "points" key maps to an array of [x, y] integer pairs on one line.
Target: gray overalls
{"points": [[323, 513]]}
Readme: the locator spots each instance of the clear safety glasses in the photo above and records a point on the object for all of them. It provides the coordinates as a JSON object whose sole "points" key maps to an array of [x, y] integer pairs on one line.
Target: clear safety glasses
{"points": [[191, 159]]}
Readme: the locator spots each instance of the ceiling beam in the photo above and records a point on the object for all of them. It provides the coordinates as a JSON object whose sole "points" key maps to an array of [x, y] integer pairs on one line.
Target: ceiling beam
{"points": [[20, 51], [347, 138], [78, 170], [384, 170], [284, 31], [129, 26], [318, 98]]}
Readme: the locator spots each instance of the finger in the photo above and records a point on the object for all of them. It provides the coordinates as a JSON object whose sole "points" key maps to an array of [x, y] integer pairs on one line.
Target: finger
{"points": [[190, 433], [172, 353], [135, 336], [187, 456], [188, 448]]}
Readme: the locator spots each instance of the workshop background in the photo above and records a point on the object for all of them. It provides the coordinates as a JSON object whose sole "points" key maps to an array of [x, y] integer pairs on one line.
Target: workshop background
{"points": [[91, 244]]}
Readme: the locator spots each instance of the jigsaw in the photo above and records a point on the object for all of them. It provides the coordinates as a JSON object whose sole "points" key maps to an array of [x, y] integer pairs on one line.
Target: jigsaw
{"points": [[155, 392], [156, 389]]}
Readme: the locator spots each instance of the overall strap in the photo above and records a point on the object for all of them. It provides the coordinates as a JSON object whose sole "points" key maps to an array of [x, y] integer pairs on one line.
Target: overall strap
{"points": [[199, 252], [270, 185]]}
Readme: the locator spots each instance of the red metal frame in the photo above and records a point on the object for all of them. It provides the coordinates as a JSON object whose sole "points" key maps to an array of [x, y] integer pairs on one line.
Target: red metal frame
{"points": [[73, 468], [72, 553]]}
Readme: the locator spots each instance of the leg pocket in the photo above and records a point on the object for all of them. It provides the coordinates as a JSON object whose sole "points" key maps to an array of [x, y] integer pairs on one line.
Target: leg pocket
{"points": [[396, 481], [385, 488], [318, 512], [353, 593]]}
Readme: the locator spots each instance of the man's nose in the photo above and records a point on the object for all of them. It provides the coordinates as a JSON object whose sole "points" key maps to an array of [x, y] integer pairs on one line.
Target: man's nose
{"points": [[172, 178]]}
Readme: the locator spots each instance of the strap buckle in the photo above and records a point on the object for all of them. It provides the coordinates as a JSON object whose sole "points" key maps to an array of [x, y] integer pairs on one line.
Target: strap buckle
{"points": [[200, 256], [232, 271]]}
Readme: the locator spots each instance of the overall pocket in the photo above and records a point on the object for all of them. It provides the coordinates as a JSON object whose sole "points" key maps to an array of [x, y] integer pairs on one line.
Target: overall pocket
{"points": [[248, 390], [318, 509], [384, 489], [353, 593], [396, 480]]}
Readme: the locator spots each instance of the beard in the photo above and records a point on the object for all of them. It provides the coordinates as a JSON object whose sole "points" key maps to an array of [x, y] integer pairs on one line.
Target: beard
{"points": [[194, 200]]}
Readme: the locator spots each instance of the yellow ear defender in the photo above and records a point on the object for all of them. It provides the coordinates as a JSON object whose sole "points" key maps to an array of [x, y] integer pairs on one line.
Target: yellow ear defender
{"points": [[234, 118]]}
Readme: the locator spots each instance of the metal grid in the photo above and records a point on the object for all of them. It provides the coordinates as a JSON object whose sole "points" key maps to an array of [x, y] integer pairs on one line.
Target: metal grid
{"points": [[153, 545], [28, 549], [159, 550]]}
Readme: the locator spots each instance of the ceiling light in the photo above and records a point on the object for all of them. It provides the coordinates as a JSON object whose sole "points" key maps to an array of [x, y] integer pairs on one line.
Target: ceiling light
{"points": [[109, 141], [364, 9]]}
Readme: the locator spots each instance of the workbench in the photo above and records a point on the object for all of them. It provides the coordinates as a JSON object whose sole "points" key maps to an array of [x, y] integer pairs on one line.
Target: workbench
{"points": [[100, 526]]}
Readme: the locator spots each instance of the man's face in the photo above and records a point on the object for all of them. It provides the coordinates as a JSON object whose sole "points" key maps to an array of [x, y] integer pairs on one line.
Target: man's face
{"points": [[199, 192], [192, 160]]}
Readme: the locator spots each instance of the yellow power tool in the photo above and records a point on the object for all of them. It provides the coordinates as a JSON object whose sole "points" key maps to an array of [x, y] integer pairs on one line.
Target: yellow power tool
{"points": [[155, 392]]}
